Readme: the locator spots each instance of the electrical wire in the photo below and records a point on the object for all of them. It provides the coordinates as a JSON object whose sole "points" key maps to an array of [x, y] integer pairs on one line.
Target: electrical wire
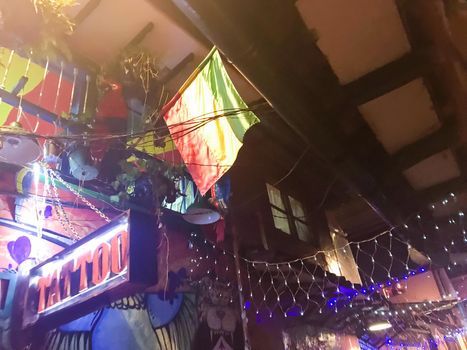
{"points": [[193, 124]]}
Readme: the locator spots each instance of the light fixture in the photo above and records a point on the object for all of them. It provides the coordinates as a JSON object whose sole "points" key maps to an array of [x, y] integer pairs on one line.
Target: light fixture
{"points": [[81, 166], [201, 216], [201, 212], [16, 147], [379, 326]]}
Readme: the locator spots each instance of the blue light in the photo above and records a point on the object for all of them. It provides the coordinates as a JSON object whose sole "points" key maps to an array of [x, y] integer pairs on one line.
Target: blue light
{"points": [[331, 302], [405, 277], [421, 269], [363, 291], [412, 273], [247, 305], [294, 311]]}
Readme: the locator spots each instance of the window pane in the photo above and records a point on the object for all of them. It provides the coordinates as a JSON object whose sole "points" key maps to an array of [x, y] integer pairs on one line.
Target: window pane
{"points": [[280, 220], [275, 197], [303, 231], [297, 209]]}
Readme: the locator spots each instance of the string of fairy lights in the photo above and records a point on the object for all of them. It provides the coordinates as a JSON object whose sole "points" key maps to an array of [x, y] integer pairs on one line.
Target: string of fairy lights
{"points": [[299, 286]]}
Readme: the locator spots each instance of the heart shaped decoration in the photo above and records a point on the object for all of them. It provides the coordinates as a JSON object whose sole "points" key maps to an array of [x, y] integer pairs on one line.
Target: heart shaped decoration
{"points": [[20, 249]]}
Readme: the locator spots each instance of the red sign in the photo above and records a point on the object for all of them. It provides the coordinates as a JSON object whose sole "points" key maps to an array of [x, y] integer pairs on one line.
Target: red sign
{"points": [[114, 261]]}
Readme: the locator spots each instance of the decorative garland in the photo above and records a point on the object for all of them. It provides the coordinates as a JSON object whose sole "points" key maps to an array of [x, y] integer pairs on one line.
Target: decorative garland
{"points": [[43, 27]]}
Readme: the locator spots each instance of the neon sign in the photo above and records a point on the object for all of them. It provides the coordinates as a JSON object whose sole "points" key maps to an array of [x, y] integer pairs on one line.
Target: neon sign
{"points": [[116, 260]]}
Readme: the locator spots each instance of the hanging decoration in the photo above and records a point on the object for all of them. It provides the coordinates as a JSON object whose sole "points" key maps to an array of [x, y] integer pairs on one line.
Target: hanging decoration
{"points": [[147, 180], [140, 65], [214, 139], [42, 28]]}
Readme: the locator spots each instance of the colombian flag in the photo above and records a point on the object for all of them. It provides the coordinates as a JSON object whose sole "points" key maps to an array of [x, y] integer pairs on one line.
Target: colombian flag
{"points": [[207, 120]]}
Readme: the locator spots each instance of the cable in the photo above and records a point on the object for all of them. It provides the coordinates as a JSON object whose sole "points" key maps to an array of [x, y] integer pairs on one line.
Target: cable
{"points": [[297, 162], [193, 123]]}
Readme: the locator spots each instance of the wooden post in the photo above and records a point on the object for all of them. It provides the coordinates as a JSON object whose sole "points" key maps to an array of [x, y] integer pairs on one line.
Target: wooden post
{"points": [[240, 288]]}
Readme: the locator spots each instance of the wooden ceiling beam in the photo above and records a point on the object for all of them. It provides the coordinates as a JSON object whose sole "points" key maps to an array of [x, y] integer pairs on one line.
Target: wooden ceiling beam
{"points": [[441, 139], [138, 38], [426, 24], [391, 76], [172, 11], [86, 11]]}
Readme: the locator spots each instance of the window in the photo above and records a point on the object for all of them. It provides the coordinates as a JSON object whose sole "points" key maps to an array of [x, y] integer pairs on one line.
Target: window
{"points": [[288, 214]]}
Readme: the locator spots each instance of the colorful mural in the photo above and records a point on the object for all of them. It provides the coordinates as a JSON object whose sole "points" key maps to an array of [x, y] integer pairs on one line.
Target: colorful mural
{"points": [[182, 321], [33, 83], [219, 319], [140, 322]]}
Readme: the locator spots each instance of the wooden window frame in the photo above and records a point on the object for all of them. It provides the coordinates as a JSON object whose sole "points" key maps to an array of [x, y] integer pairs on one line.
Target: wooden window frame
{"points": [[289, 214]]}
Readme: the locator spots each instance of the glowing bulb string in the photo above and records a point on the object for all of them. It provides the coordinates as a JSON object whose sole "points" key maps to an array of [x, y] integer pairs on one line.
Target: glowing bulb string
{"points": [[434, 315], [7, 69], [73, 88], [270, 266], [348, 244], [41, 92], [403, 316], [424, 312], [86, 92], [435, 340], [19, 113], [59, 85]]}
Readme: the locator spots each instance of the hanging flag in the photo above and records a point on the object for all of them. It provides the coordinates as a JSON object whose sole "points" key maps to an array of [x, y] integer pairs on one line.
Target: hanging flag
{"points": [[207, 119]]}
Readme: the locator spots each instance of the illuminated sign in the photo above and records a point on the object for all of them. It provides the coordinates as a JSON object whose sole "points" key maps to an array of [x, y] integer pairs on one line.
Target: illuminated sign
{"points": [[114, 261]]}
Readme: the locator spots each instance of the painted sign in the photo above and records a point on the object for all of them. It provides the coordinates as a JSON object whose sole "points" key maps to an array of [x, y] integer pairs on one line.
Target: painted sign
{"points": [[116, 260]]}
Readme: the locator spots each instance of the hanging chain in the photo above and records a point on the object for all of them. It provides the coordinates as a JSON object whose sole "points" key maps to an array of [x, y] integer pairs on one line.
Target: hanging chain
{"points": [[62, 216], [77, 194], [56, 206]]}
